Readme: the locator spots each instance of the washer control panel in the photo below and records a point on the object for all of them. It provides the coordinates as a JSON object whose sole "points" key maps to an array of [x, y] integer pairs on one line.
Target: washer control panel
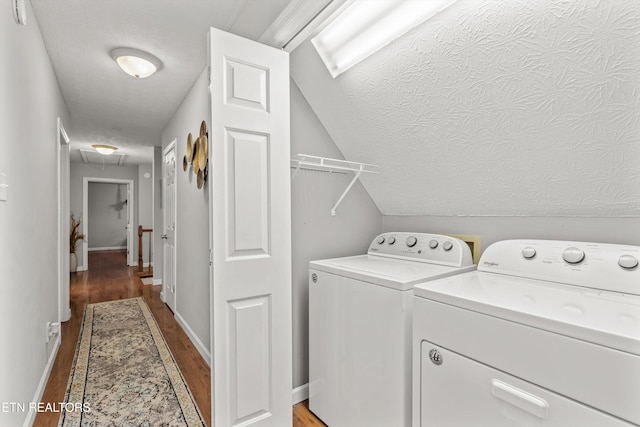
{"points": [[432, 248], [602, 266]]}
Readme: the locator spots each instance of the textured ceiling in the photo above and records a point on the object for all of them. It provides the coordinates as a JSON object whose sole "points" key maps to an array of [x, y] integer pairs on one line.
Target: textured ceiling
{"points": [[105, 104], [495, 107]]}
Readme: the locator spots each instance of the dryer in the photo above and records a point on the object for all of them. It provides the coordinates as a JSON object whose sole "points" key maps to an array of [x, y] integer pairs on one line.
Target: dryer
{"points": [[543, 333], [360, 310]]}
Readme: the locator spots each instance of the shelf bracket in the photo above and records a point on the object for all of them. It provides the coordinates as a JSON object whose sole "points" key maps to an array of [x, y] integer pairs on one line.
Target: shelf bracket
{"points": [[353, 181]]}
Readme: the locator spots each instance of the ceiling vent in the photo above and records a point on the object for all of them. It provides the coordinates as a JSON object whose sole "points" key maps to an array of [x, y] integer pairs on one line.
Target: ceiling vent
{"points": [[92, 157]]}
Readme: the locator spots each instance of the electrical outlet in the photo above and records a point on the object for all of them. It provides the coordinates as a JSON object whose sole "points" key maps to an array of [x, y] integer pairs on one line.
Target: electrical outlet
{"points": [[53, 330]]}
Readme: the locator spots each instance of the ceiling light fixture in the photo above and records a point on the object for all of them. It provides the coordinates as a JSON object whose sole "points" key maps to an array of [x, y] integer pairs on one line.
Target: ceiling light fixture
{"points": [[105, 149], [136, 62], [368, 25]]}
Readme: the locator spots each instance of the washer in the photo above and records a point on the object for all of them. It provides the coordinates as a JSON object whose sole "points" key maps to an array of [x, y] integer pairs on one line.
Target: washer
{"points": [[360, 311], [543, 333]]}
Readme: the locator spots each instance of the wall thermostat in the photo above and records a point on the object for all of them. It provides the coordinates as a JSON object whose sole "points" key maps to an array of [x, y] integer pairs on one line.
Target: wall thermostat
{"points": [[20, 12]]}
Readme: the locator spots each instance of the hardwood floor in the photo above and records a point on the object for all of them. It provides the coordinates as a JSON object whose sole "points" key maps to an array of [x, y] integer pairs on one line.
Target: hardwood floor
{"points": [[108, 279]]}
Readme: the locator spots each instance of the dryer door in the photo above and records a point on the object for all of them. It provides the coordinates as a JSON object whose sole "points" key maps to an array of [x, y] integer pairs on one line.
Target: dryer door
{"points": [[457, 391]]}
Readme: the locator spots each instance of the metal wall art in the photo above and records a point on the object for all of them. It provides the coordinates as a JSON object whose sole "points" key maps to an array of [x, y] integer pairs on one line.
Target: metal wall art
{"points": [[198, 155]]}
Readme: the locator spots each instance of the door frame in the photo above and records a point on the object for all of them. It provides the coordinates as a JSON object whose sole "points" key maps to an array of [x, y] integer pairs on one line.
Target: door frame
{"points": [[173, 145], [63, 162], [85, 209]]}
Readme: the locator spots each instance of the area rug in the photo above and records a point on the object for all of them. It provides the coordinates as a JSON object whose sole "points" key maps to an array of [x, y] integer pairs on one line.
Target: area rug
{"points": [[123, 373]]}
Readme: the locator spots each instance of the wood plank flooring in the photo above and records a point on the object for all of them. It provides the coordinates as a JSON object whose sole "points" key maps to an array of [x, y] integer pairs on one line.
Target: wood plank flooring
{"points": [[108, 279]]}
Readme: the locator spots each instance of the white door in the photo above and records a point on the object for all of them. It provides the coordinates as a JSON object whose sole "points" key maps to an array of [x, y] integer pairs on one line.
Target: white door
{"points": [[169, 226], [250, 208]]}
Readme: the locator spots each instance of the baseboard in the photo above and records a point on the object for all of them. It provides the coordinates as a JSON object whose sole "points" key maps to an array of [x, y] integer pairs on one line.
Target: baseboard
{"points": [[300, 393], [81, 268], [157, 282], [204, 352], [107, 248], [31, 415]]}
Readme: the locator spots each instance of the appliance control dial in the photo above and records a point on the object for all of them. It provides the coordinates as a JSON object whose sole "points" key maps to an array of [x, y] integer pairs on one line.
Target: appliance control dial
{"points": [[433, 244], [447, 245], [380, 240], [573, 255], [391, 240], [411, 241], [628, 261], [528, 252]]}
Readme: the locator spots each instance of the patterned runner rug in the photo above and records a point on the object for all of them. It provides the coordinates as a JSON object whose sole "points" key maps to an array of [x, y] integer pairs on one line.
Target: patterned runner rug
{"points": [[123, 373]]}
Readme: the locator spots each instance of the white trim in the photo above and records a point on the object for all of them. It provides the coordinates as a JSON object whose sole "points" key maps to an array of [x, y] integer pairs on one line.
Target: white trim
{"points": [[62, 160], [206, 355], [31, 415], [107, 248], [159, 282], [81, 268], [301, 393], [130, 204]]}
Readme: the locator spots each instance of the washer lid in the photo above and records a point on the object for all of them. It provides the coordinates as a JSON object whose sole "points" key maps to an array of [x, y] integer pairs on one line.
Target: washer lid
{"points": [[392, 273], [606, 318]]}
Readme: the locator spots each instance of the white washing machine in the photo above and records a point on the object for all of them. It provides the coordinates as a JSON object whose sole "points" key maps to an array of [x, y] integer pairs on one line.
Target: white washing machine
{"points": [[544, 333], [360, 311]]}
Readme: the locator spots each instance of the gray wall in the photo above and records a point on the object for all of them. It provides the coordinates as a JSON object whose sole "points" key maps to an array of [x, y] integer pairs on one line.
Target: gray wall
{"points": [[145, 206], [29, 105], [315, 233], [107, 215], [81, 170], [192, 222], [493, 229]]}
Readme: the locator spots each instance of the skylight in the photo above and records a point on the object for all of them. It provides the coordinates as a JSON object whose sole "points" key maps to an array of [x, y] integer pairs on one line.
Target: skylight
{"points": [[366, 26]]}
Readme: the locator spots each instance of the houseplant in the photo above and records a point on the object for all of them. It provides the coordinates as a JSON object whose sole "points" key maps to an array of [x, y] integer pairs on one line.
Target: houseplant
{"points": [[74, 237]]}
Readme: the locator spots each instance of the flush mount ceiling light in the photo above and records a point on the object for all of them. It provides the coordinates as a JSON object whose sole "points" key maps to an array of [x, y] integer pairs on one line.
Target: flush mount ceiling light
{"points": [[136, 62], [366, 26], [104, 149]]}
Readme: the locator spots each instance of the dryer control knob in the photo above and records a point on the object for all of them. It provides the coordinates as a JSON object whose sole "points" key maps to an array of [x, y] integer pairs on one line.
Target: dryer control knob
{"points": [[380, 240], [447, 245], [528, 252], [433, 244], [411, 241], [573, 255], [391, 240], [628, 261]]}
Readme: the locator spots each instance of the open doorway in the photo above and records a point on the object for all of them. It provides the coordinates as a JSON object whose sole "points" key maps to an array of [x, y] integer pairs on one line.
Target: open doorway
{"points": [[108, 221]]}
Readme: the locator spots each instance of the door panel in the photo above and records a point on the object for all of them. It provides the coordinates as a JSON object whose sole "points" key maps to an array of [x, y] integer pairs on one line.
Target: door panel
{"points": [[251, 232], [248, 190]]}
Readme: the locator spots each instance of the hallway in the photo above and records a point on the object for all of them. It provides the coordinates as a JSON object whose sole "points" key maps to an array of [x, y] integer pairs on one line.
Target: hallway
{"points": [[107, 279]]}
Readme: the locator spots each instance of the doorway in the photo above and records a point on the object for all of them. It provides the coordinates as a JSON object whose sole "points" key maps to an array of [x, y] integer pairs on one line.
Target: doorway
{"points": [[122, 205]]}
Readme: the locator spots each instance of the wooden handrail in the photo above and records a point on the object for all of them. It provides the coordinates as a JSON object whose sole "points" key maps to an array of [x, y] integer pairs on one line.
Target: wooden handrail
{"points": [[141, 271]]}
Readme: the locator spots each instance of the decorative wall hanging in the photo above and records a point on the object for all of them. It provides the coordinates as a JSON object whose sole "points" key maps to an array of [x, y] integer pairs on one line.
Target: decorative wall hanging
{"points": [[197, 155]]}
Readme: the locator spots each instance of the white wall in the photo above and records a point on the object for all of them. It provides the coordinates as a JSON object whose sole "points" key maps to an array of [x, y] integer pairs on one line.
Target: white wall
{"points": [[81, 170], [315, 233], [29, 105], [192, 225], [107, 215], [495, 108]]}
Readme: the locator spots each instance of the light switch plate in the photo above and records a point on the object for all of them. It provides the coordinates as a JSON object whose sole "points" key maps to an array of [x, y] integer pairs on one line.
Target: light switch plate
{"points": [[3, 187]]}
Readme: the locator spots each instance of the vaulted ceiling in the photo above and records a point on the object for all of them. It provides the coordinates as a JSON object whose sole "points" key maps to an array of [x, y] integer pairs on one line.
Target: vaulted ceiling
{"points": [[494, 107]]}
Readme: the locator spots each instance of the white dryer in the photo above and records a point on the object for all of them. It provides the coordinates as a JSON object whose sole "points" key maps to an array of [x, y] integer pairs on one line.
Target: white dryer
{"points": [[543, 333], [360, 311]]}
